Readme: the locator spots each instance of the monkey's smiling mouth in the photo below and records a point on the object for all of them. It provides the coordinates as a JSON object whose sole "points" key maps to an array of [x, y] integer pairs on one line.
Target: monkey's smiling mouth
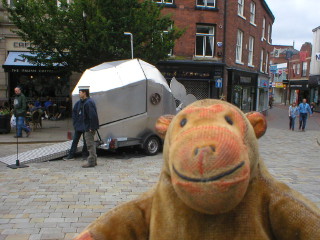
{"points": [[210, 179]]}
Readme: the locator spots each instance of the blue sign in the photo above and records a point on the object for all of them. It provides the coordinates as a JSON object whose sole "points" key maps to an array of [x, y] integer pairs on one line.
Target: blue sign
{"points": [[273, 68], [219, 83]]}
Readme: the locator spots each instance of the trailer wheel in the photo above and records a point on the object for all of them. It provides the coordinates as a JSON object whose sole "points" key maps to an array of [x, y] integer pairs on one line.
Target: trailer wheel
{"points": [[152, 146]]}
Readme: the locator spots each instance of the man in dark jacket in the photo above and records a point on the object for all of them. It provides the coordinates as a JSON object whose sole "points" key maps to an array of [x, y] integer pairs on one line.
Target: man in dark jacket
{"points": [[19, 109], [78, 125], [90, 124]]}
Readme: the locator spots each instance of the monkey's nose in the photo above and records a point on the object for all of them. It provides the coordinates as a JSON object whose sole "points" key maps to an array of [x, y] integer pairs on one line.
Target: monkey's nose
{"points": [[207, 149]]}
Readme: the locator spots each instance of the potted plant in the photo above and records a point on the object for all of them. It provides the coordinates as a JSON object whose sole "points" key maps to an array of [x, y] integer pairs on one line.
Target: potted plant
{"points": [[5, 117]]}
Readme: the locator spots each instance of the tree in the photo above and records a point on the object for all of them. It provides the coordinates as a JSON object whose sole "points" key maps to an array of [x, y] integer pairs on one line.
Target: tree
{"points": [[86, 33]]}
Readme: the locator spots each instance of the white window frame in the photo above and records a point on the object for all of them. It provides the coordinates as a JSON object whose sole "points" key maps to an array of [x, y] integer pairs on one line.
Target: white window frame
{"points": [[250, 51], [10, 3], [164, 1], [241, 8], [298, 69], [205, 4], [269, 33], [204, 42], [253, 13], [304, 69], [263, 29], [261, 60], [59, 2], [239, 46], [294, 66], [267, 64]]}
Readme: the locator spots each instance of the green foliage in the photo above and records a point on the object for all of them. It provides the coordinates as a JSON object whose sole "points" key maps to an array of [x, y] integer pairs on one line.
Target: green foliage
{"points": [[4, 111], [86, 33]]}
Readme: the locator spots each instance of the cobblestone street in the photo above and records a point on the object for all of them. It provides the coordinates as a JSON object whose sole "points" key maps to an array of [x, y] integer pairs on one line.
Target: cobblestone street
{"points": [[57, 199]]}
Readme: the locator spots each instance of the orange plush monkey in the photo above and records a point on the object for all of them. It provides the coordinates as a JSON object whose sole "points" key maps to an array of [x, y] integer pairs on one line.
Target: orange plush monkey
{"points": [[213, 185]]}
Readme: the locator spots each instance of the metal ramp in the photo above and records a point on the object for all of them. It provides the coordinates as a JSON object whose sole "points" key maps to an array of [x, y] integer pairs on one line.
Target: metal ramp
{"points": [[42, 154]]}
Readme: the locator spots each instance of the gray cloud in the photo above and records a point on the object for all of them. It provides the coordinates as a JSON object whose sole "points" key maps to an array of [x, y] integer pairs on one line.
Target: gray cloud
{"points": [[295, 20]]}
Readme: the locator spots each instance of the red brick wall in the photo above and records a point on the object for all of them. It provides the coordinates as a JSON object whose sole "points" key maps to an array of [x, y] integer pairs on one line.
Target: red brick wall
{"points": [[234, 22], [187, 17]]}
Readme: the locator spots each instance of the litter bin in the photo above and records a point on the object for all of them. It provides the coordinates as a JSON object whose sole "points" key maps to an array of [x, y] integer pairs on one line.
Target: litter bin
{"points": [[5, 123]]}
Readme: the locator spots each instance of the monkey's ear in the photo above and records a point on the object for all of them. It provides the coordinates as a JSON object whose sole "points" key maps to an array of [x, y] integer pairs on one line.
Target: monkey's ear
{"points": [[258, 122], [162, 125]]}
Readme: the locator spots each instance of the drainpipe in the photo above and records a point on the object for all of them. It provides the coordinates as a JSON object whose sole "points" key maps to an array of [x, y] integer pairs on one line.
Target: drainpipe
{"points": [[225, 75]]}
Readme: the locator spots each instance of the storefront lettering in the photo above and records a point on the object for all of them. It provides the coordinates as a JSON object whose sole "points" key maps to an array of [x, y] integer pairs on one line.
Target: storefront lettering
{"points": [[187, 74], [21, 44], [245, 79], [25, 70]]}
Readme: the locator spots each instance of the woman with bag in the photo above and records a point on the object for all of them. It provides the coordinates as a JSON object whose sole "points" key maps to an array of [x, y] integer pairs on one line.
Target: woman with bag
{"points": [[293, 113]]}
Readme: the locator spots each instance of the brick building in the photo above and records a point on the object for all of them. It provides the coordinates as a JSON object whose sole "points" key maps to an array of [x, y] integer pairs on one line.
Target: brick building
{"points": [[314, 77], [290, 70], [224, 40]]}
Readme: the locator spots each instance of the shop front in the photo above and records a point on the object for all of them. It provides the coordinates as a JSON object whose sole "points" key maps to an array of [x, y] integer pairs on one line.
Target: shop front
{"points": [[314, 85], [36, 81], [298, 90], [242, 89], [199, 78], [263, 95]]}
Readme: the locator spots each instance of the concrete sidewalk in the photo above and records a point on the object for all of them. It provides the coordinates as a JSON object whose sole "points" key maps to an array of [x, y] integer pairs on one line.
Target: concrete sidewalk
{"points": [[51, 131]]}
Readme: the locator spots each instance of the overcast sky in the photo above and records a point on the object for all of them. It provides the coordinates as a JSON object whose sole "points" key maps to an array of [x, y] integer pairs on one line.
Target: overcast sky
{"points": [[294, 21]]}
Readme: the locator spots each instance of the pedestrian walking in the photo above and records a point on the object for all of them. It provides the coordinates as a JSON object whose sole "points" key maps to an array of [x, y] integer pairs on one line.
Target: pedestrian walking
{"points": [[90, 124], [304, 109], [78, 125], [312, 106], [271, 99], [19, 110], [293, 113]]}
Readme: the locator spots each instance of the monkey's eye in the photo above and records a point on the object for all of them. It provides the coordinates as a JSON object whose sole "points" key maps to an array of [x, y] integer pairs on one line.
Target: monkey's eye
{"points": [[183, 122], [228, 119]]}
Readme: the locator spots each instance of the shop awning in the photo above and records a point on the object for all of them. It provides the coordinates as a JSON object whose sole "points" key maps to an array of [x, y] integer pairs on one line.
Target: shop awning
{"points": [[18, 60]]}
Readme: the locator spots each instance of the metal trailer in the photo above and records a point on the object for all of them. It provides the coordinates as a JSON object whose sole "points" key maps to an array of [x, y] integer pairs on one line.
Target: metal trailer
{"points": [[130, 96]]}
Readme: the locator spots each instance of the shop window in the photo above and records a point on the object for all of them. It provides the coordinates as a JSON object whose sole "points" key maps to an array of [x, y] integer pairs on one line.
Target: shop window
{"points": [[251, 48], [239, 47], [240, 8], [263, 29], [252, 13], [206, 3], [304, 69], [205, 41]]}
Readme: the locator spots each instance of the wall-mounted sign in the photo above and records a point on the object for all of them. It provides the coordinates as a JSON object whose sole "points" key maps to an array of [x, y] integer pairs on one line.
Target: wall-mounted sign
{"points": [[219, 44], [219, 83], [21, 44], [245, 79], [318, 57]]}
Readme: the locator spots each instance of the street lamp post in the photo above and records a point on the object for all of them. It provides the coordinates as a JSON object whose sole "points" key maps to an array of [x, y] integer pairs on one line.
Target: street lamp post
{"points": [[131, 39]]}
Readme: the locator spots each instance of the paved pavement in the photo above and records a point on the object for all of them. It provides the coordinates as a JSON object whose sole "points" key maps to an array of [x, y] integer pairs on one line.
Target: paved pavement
{"points": [[57, 199]]}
